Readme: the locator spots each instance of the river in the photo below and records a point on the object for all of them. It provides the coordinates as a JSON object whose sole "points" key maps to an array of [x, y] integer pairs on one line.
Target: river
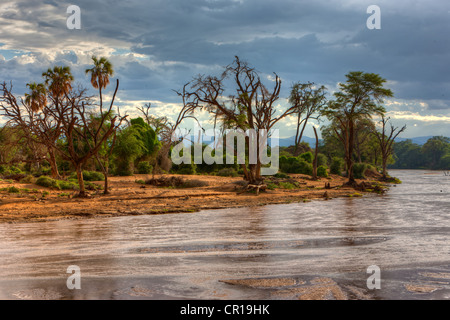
{"points": [[268, 252]]}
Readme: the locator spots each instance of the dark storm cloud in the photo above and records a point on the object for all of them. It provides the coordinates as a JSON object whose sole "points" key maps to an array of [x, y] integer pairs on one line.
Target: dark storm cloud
{"points": [[316, 41]]}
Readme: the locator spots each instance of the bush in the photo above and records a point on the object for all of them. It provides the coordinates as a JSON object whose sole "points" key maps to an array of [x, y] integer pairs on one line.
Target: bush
{"points": [[93, 176], [322, 172], [13, 190], [227, 172], [304, 168], [307, 156], [187, 169], [68, 185], [281, 176], [322, 160], [144, 167], [295, 165], [48, 182], [336, 165], [124, 168], [45, 181], [89, 176], [287, 185], [358, 170], [10, 171], [27, 179]]}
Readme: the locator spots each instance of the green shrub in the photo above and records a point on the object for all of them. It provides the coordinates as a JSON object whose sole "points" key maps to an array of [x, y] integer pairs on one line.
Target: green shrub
{"points": [[287, 185], [227, 172], [281, 176], [271, 186], [322, 172], [144, 167], [322, 160], [295, 165], [187, 169], [89, 176], [68, 185], [27, 179], [93, 176], [336, 165], [45, 181], [358, 170], [307, 156], [13, 190]]}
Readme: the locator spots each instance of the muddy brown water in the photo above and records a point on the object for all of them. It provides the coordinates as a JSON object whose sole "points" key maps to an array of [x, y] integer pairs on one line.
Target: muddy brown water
{"points": [[216, 254]]}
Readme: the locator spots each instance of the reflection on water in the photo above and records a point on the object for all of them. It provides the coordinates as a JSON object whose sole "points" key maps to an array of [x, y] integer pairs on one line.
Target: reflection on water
{"points": [[407, 226]]}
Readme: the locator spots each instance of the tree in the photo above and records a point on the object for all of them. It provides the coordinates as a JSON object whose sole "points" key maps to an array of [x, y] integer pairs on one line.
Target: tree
{"points": [[360, 97], [434, 149], [83, 129], [70, 113], [316, 153], [37, 126], [308, 103], [386, 140], [364, 128], [129, 147], [100, 73], [59, 81], [37, 98], [249, 104]]}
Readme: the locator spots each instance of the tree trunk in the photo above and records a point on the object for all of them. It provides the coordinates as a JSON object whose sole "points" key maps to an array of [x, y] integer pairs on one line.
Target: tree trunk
{"points": [[53, 165], [105, 170], [315, 155], [82, 192], [349, 156], [384, 167], [106, 190]]}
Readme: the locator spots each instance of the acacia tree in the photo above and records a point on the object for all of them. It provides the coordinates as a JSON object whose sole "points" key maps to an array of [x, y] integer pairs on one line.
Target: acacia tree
{"points": [[33, 118], [308, 103], [386, 140], [360, 97], [249, 104], [364, 128]]}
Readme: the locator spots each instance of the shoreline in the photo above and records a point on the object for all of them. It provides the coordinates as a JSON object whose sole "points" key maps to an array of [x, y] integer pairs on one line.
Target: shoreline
{"points": [[129, 198]]}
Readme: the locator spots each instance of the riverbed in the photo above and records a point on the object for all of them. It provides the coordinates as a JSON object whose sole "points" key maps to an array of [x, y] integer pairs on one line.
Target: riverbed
{"points": [[313, 250]]}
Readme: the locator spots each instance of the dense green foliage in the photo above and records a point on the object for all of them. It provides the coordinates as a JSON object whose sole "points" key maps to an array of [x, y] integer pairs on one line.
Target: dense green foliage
{"points": [[434, 154]]}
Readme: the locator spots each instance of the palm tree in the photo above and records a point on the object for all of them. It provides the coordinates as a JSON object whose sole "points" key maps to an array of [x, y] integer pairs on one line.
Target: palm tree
{"points": [[59, 81], [37, 98], [100, 73]]}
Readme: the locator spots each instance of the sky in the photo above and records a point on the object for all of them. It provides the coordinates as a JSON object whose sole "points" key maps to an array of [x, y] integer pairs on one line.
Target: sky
{"points": [[156, 46]]}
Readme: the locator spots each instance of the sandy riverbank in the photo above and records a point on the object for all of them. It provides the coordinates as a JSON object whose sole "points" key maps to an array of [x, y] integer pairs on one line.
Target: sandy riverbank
{"points": [[130, 198]]}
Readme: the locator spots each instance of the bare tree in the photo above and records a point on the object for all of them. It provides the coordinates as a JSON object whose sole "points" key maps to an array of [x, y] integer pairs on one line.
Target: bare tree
{"points": [[249, 105], [386, 138], [37, 126], [308, 102], [83, 129]]}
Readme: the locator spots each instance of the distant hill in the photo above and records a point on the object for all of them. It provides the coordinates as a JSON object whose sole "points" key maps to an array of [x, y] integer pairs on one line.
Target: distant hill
{"points": [[418, 140], [286, 142]]}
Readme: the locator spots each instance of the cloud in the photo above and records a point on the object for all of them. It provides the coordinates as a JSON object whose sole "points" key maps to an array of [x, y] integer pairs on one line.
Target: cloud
{"points": [[159, 45]]}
